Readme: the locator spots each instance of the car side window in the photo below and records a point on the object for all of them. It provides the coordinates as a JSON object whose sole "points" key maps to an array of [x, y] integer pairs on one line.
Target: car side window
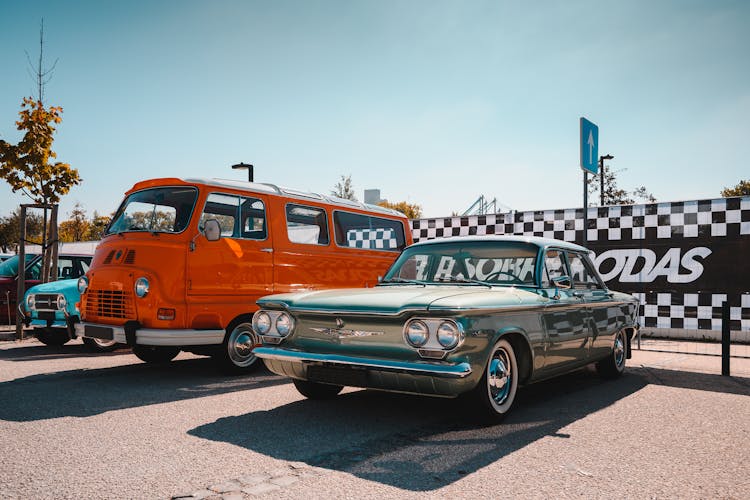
{"points": [[582, 274], [554, 264]]}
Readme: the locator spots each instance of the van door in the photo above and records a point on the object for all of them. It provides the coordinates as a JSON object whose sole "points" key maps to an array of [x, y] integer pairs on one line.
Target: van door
{"points": [[239, 266]]}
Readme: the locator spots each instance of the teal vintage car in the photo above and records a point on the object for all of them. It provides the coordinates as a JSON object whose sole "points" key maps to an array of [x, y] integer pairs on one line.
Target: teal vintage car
{"points": [[50, 309], [471, 316]]}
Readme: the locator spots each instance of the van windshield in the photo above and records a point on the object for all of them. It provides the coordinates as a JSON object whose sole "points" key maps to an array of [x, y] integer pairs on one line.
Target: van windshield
{"points": [[156, 210]]}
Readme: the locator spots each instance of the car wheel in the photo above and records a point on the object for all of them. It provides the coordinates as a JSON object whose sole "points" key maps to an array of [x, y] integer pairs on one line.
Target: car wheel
{"points": [[236, 353], [496, 392], [614, 365], [155, 354], [315, 390], [100, 345], [53, 337]]}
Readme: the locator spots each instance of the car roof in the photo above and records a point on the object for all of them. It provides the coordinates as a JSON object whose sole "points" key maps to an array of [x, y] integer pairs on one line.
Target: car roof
{"points": [[533, 240]]}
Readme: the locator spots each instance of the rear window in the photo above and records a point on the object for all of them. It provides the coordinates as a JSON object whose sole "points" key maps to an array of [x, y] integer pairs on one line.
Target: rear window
{"points": [[368, 232]]}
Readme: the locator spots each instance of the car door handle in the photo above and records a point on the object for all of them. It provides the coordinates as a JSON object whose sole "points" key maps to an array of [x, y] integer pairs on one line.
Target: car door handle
{"points": [[267, 250], [578, 295]]}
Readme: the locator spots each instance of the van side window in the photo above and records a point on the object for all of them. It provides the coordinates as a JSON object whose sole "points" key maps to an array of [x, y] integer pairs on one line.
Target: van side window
{"points": [[306, 225], [238, 216], [364, 231]]}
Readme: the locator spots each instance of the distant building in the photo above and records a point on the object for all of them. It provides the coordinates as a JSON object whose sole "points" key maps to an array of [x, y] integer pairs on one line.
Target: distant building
{"points": [[372, 196]]}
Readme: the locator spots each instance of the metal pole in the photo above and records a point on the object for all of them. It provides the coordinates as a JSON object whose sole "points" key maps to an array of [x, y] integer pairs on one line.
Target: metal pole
{"points": [[21, 278], [601, 180], [585, 206], [725, 337]]}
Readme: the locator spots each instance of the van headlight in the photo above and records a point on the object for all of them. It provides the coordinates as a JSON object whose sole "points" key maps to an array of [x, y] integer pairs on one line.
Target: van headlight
{"points": [[83, 284], [141, 287], [30, 302], [61, 302]]}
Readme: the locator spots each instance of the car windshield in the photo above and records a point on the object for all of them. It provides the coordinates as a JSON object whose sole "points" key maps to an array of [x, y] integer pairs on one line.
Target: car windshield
{"points": [[9, 268], [485, 263], [163, 210]]}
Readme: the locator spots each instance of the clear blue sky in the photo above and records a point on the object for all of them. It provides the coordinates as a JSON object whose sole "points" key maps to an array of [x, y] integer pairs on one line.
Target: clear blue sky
{"points": [[432, 102]]}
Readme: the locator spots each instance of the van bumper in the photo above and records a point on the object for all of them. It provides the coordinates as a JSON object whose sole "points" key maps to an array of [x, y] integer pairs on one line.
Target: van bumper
{"points": [[132, 333]]}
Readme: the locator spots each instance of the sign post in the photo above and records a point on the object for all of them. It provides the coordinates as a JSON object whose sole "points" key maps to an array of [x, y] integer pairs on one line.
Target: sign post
{"points": [[589, 143]]}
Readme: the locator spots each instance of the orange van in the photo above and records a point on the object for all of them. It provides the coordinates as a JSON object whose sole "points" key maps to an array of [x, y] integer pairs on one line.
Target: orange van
{"points": [[184, 260]]}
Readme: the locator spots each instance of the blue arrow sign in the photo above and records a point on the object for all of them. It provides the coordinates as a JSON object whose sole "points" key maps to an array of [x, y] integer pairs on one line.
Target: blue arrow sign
{"points": [[589, 146]]}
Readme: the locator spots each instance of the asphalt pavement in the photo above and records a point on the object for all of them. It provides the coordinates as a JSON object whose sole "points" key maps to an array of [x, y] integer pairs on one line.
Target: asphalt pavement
{"points": [[80, 425]]}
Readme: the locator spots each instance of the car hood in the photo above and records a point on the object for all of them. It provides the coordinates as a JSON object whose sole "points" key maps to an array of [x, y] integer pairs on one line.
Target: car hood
{"points": [[59, 286], [395, 299]]}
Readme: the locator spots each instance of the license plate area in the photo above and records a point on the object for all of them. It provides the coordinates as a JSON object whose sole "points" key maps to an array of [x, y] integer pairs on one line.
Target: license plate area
{"points": [[98, 332], [46, 315], [355, 377]]}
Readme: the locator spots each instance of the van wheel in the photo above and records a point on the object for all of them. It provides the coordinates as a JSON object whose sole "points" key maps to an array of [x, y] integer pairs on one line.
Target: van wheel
{"points": [[236, 354], [315, 390], [53, 337], [99, 345], [155, 354]]}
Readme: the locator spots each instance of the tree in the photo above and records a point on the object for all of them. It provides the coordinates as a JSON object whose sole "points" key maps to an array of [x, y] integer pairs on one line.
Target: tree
{"points": [[344, 188], [614, 195], [741, 189], [26, 166], [411, 211], [76, 228], [10, 226], [97, 225]]}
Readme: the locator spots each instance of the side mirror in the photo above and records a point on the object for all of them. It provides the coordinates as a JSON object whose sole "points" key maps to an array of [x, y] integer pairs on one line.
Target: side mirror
{"points": [[562, 282], [212, 230]]}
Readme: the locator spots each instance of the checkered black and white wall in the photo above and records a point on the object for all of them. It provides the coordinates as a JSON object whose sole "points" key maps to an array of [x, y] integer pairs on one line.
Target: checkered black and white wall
{"points": [[681, 259]]}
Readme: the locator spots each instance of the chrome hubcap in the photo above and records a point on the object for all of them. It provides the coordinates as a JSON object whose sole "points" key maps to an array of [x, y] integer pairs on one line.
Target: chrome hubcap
{"points": [[499, 377], [619, 350], [240, 345], [104, 343]]}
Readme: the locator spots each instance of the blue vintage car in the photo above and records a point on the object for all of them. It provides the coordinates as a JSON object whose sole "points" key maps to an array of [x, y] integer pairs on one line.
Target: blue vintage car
{"points": [[50, 309], [473, 316]]}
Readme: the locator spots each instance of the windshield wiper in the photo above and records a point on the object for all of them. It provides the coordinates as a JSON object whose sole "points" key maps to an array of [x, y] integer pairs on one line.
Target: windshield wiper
{"points": [[461, 279], [396, 279]]}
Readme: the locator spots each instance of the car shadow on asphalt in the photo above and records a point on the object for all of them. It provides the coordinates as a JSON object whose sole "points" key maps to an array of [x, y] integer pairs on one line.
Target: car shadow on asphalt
{"points": [[36, 352], [412, 442], [422, 444], [87, 392]]}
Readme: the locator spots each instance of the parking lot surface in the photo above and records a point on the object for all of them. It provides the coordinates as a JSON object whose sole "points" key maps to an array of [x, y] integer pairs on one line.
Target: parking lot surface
{"points": [[80, 425]]}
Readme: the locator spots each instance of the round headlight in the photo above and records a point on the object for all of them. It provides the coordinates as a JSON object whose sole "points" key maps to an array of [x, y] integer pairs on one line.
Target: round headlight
{"points": [[30, 302], [261, 322], [416, 333], [448, 335], [141, 287], [61, 302], [284, 324], [83, 284]]}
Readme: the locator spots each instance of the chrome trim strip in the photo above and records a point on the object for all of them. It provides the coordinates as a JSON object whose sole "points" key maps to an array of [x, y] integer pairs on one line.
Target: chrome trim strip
{"points": [[442, 370], [161, 337]]}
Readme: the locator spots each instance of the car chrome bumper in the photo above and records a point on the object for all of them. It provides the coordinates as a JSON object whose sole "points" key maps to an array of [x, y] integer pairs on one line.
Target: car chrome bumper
{"points": [[150, 336], [426, 368]]}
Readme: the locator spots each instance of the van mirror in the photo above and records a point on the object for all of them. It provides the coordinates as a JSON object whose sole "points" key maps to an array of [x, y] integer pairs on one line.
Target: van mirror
{"points": [[212, 230]]}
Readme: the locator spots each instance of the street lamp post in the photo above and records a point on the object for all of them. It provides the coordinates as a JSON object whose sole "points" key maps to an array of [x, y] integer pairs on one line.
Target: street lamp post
{"points": [[601, 176], [248, 166]]}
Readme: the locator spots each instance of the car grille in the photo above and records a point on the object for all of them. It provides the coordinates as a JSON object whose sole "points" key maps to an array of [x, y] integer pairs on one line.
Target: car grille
{"points": [[115, 304], [45, 302]]}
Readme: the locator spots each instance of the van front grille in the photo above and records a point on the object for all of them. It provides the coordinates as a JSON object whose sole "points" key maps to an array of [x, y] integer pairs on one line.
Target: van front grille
{"points": [[115, 304]]}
